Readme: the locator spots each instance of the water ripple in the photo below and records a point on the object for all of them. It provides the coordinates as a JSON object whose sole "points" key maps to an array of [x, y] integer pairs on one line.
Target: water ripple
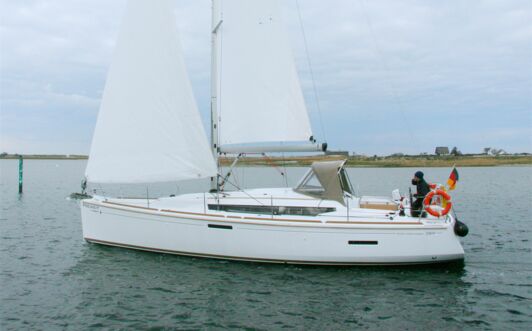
{"points": [[52, 279]]}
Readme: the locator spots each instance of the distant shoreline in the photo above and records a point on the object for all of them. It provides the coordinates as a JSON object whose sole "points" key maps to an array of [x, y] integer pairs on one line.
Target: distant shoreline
{"points": [[44, 157], [392, 161], [426, 161]]}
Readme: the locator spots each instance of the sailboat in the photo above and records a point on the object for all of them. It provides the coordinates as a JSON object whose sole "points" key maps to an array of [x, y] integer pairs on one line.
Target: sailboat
{"points": [[149, 130]]}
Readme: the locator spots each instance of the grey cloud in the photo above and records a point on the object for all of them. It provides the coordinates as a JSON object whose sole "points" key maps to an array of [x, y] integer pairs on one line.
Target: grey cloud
{"points": [[384, 69]]}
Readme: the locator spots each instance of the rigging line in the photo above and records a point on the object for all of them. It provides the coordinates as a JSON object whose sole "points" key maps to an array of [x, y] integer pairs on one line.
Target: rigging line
{"points": [[243, 180], [309, 63], [243, 191], [384, 65], [284, 169], [219, 98], [219, 50], [236, 176], [237, 181], [270, 161], [101, 189]]}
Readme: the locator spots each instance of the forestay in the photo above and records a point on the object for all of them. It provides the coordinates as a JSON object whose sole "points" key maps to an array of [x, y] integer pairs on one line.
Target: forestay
{"points": [[260, 98], [148, 128]]}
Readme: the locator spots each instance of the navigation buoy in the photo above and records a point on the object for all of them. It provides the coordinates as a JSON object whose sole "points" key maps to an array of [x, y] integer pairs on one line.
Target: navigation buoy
{"points": [[20, 173], [460, 229]]}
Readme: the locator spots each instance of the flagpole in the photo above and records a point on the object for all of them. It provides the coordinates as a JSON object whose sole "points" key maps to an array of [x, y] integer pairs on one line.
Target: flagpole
{"points": [[459, 228], [453, 169]]}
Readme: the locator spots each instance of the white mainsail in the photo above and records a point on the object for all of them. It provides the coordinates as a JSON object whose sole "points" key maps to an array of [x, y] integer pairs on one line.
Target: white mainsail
{"points": [[148, 128], [259, 93]]}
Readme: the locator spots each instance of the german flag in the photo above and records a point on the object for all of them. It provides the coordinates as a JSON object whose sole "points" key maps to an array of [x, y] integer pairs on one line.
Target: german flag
{"points": [[453, 178]]}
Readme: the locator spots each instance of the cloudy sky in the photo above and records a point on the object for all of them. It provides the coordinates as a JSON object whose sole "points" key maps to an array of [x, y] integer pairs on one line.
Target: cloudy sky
{"points": [[391, 76]]}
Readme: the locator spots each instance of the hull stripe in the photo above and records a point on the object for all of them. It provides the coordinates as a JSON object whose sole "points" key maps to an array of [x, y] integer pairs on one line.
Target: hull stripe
{"points": [[250, 259]]}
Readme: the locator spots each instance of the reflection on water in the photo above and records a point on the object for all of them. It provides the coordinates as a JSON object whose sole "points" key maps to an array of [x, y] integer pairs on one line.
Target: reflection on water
{"points": [[201, 292], [51, 278]]}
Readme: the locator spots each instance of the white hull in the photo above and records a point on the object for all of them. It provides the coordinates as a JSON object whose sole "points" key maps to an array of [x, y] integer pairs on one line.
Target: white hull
{"points": [[319, 240], [148, 91]]}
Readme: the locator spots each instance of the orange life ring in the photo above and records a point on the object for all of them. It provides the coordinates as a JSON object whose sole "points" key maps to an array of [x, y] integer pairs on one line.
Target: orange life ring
{"points": [[435, 186], [448, 204]]}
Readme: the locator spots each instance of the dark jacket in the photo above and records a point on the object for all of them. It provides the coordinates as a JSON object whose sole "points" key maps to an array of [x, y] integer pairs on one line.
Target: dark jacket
{"points": [[422, 189]]}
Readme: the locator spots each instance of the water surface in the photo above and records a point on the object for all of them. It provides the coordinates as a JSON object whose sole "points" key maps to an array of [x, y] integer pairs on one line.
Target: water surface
{"points": [[51, 279]]}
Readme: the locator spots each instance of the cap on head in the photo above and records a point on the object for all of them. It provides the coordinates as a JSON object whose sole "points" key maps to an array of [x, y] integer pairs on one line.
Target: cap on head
{"points": [[419, 174]]}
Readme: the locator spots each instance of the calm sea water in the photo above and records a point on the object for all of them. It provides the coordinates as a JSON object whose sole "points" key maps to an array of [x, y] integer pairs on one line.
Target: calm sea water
{"points": [[51, 279]]}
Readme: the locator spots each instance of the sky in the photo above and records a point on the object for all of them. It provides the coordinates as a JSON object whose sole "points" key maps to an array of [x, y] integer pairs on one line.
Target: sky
{"points": [[391, 76]]}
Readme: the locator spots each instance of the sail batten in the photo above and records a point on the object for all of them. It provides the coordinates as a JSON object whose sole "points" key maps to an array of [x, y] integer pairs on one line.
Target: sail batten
{"points": [[148, 128], [260, 97]]}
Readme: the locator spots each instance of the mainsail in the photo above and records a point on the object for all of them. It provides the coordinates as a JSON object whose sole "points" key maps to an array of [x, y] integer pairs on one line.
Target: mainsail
{"points": [[148, 128], [259, 94]]}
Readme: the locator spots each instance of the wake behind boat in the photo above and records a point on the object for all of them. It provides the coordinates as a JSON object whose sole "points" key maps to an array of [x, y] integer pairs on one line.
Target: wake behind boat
{"points": [[149, 130]]}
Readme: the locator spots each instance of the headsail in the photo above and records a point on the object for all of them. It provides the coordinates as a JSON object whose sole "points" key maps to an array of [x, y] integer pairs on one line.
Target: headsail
{"points": [[260, 98], [149, 128]]}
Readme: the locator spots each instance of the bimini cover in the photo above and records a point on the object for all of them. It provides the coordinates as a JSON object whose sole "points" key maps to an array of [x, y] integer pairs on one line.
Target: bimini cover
{"points": [[326, 180]]}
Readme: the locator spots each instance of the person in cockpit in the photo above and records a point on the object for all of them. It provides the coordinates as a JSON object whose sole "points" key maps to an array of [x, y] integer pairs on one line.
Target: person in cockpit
{"points": [[422, 189]]}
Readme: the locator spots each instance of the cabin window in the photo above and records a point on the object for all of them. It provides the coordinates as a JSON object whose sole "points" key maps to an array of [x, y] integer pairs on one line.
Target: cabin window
{"points": [[344, 182], [363, 242], [218, 226], [311, 185], [275, 210]]}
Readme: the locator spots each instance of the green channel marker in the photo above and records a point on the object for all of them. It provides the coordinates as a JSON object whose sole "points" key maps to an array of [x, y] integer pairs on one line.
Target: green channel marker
{"points": [[20, 167]]}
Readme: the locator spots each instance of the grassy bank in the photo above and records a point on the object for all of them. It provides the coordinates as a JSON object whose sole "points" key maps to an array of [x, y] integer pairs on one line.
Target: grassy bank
{"points": [[353, 161], [444, 161], [392, 162]]}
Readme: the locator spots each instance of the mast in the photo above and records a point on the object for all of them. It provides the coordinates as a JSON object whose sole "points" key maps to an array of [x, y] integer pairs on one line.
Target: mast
{"points": [[216, 23]]}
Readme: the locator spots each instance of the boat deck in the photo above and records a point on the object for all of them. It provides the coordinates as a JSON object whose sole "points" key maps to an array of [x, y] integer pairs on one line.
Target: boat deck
{"points": [[271, 205]]}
